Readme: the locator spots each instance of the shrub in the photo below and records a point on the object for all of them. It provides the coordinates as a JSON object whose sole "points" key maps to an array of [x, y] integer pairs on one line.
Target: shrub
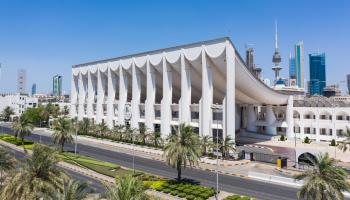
{"points": [[283, 138], [196, 192], [174, 192], [245, 198], [307, 140], [181, 195], [333, 143], [199, 198], [187, 190], [190, 197], [167, 190]]}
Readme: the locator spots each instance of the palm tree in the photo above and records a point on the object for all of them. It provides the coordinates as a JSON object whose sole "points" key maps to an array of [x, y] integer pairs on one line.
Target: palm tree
{"points": [[38, 178], [7, 112], [84, 126], [130, 134], [206, 142], [119, 131], [73, 190], [62, 132], [7, 163], [65, 110], [155, 138], [226, 146], [325, 181], [345, 144], [127, 188], [182, 148], [143, 134], [102, 128], [22, 127]]}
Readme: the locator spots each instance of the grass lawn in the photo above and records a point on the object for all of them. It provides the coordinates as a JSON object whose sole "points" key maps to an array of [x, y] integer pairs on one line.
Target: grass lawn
{"points": [[16, 141]]}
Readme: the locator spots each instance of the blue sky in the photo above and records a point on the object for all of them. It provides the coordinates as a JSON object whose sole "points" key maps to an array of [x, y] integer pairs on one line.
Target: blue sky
{"points": [[48, 37]]}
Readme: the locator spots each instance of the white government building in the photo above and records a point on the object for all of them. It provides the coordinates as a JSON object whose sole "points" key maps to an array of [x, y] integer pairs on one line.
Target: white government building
{"points": [[181, 84]]}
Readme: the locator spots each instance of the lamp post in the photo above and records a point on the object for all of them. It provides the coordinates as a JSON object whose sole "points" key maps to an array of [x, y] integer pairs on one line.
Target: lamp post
{"points": [[76, 137], [216, 108]]}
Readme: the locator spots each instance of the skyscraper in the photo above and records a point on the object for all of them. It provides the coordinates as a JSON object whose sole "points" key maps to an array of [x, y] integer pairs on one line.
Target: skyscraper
{"points": [[348, 80], [291, 67], [33, 89], [299, 63], [317, 73], [249, 59], [21, 81], [57, 85]]}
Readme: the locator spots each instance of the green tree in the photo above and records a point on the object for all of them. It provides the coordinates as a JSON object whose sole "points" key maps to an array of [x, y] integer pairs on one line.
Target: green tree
{"points": [[127, 188], [102, 128], [38, 178], [183, 148], [7, 163], [206, 142], [155, 138], [65, 110], [7, 112], [130, 133], [325, 181], [143, 134], [345, 144], [73, 190], [62, 132], [22, 127], [226, 146], [119, 131], [84, 126]]}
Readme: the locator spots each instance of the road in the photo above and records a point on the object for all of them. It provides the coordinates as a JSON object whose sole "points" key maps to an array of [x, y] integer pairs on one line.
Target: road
{"points": [[243, 186], [94, 185]]}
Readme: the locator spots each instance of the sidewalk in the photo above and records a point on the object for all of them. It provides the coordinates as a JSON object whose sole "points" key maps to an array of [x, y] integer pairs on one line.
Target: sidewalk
{"points": [[235, 168]]}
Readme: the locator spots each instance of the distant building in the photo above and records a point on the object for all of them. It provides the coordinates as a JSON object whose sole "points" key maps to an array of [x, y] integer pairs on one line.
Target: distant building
{"points": [[317, 73], [292, 74], [299, 63], [34, 89], [21, 81], [18, 102], [57, 85], [331, 91], [249, 59], [348, 80]]}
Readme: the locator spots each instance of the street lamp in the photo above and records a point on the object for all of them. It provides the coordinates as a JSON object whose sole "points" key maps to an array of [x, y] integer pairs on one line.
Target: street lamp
{"points": [[76, 137], [128, 116], [216, 108]]}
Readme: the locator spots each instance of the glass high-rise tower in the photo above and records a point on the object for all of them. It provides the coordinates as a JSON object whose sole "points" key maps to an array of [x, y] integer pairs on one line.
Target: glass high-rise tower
{"points": [[299, 63], [292, 74], [348, 80], [57, 85], [317, 73]]}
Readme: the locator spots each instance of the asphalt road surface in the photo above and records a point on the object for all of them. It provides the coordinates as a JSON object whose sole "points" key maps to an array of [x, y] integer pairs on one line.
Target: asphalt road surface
{"points": [[243, 186]]}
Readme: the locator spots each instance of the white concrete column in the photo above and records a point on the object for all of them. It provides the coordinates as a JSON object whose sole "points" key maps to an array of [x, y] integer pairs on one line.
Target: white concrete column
{"points": [[90, 100], [301, 125], [111, 99], [74, 97], [167, 99], [151, 95], [123, 95], [136, 95], [81, 106], [207, 96], [230, 91], [317, 127], [334, 120], [185, 90], [270, 120], [251, 119], [100, 98], [289, 117]]}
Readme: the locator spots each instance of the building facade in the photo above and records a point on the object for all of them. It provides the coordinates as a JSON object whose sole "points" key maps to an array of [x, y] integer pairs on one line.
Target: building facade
{"points": [[18, 102], [206, 85], [299, 63], [21, 81], [57, 85], [292, 72], [348, 82], [317, 73], [34, 89]]}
